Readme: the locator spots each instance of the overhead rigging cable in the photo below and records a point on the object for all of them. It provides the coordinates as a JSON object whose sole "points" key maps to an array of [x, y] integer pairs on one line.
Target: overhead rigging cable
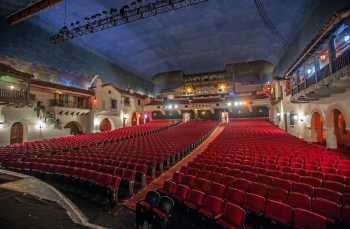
{"points": [[268, 23]]}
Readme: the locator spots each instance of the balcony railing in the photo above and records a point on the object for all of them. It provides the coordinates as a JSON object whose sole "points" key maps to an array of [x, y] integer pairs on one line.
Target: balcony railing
{"points": [[342, 61], [57, 103], [15, 96]]}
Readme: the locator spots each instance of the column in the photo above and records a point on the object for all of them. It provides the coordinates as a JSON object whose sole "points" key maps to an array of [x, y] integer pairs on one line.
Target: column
{"points": [[332, 52], [317, 67], [331, 139]]}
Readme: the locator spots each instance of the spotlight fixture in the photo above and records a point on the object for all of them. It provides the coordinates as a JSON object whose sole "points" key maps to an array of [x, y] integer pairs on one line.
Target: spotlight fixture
{"points": [[114, 17]]}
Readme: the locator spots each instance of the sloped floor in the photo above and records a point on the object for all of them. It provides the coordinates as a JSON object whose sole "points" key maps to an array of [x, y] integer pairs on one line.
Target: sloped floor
{"points": [[158, 182], [25, 211]]}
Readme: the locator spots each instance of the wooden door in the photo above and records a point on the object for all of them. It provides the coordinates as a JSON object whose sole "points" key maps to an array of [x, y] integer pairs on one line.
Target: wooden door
{"points": [[16, 133]]}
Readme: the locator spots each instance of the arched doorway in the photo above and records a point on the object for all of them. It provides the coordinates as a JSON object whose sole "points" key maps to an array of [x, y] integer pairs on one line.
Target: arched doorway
{"points": [[16, 133], [105, 125], [134, 119], [342, 135], [74, 127], [317, 128]]}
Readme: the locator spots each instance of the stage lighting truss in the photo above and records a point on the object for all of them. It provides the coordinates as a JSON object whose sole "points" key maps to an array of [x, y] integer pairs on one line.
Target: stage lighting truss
{"points": [[114, 17]]}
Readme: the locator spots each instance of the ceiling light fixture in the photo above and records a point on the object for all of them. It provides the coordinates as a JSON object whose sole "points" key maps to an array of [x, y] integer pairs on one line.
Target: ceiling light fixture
{"points": [[114, 17]]}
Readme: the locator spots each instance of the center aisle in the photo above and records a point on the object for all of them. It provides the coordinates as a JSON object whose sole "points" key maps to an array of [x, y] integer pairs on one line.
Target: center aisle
{"points": [[158, 183]]}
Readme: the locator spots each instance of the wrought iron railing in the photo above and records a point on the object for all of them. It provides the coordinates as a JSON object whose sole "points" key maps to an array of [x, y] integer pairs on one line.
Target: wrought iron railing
{"points": [[70, 104], [341, 62], [15, 96]]}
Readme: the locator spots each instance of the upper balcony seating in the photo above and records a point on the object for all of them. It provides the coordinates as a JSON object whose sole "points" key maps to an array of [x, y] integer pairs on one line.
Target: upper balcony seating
{"points": [[269, 173]]}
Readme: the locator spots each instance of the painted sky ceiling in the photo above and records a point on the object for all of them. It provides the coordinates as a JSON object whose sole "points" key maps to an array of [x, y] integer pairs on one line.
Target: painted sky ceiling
{"points": [[197, 39]]}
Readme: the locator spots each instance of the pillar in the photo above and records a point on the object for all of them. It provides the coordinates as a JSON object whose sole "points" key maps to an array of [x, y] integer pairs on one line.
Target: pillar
{"points": [[331, 138], [332, 52], [91, 122]]}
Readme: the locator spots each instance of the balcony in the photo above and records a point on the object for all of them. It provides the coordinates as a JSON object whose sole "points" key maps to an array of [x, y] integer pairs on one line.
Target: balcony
{"points": [[323, 83], [15, 97], [70, 107]]}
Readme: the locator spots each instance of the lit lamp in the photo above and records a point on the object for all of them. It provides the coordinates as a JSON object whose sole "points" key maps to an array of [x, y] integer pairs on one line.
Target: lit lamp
{"points": [[295, 117], [40, 125]]}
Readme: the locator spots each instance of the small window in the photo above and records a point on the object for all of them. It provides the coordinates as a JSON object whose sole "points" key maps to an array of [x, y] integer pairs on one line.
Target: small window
{"points": [[127, 101], [292, 119], [139, 102], [113, 103]]}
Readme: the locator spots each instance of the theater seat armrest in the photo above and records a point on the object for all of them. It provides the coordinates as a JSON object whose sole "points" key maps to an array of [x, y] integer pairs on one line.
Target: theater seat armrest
{"points": [[218, 216]]}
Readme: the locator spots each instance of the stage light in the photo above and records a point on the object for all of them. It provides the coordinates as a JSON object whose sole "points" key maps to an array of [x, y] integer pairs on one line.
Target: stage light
{"points": [[126, 14], [236, 104], [176, 106], [12, 87], [278, 114], [229, 104]]}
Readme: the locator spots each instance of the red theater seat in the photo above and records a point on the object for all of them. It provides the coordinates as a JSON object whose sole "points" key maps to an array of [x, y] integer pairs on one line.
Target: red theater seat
{"points": [[233, 217], [212, 207], [278, 194], [258, 188], [328, 194], [304, 219], [182, 192], [235, 196], [255, 203], [327, 208], [195, 199], [299, 200], [201, 184], [279, 212], [169, 188], [303, 188], [217, 189]]}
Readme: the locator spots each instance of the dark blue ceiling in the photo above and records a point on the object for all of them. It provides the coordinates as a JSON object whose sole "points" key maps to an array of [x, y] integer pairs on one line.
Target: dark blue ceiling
{"points": [[196, 39]]}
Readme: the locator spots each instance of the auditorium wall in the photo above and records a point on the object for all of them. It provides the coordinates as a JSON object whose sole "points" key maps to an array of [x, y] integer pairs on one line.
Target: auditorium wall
{"points": [[303, 126], [26, 47]]}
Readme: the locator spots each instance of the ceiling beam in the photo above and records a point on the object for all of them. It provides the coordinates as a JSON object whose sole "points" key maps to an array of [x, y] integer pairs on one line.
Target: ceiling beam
{"points": [[29, 11]]}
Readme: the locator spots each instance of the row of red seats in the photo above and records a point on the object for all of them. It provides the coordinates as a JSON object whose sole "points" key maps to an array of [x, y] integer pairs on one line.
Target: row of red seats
{"points": [[162, 149], [267, 172], [83, 141]]}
